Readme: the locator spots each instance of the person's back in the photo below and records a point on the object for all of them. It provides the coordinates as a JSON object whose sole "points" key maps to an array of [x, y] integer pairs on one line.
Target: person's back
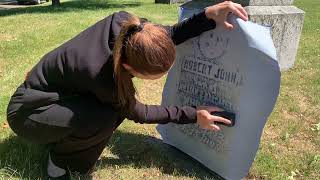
{"points": [[83, 58]]}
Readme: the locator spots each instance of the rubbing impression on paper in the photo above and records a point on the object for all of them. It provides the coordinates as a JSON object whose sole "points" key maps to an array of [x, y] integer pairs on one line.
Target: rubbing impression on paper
{"points": [[204, 80]]}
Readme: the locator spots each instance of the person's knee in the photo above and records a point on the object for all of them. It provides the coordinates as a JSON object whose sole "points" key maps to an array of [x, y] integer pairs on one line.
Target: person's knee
{"points": [[36, 132]]}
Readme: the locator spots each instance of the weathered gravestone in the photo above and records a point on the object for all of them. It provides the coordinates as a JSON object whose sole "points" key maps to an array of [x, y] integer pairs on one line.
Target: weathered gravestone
{"points": [[238, 71], [235, 70]]}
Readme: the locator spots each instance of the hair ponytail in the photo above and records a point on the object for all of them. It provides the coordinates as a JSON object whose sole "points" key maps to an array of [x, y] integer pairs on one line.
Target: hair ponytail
{"points": [[146, 48], [125, 87]]}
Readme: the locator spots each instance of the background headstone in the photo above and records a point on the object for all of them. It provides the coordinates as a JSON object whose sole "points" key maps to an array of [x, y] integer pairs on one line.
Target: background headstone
{"points": [[169, 1], [235, 70], [285, 20]]}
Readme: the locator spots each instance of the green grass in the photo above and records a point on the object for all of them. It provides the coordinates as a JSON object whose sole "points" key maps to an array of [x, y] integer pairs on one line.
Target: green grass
{"points": [[290, 146]]}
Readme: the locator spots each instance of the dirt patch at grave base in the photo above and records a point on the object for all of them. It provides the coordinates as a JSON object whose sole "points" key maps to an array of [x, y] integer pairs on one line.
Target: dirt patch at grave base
{"points": [[2, 65], [7, 37]]}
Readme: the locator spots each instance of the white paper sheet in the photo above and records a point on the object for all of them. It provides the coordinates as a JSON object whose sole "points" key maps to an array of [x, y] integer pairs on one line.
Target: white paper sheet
{"points": [[236, 70]]}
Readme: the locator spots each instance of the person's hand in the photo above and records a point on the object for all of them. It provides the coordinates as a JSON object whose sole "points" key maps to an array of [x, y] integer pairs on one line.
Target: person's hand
{"points": [[206, 121], [220, 12]]}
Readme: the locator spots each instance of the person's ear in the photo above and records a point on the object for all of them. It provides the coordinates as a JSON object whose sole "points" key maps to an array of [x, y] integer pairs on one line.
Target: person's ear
{"points": [[127, 67]]}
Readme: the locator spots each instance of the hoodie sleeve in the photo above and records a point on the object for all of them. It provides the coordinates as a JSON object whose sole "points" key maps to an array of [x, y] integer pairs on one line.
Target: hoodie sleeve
{"points": [[189, 28], [156, 114]]}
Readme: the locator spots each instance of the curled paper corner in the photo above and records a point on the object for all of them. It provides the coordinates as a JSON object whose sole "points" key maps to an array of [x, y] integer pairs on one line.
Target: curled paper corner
{"points": [[258, 36]]}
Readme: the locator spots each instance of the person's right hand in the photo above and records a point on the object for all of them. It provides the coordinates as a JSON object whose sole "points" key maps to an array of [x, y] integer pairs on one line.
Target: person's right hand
{"points": [[220, 12], [207, 121]]}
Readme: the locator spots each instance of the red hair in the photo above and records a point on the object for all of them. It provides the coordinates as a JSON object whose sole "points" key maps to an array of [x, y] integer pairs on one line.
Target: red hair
{"points": [[147, 48]]}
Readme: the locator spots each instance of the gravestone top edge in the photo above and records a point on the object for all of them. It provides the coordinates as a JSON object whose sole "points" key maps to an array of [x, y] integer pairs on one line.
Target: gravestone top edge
{"points": [[268, 10], [262, 10], [206, 3]]}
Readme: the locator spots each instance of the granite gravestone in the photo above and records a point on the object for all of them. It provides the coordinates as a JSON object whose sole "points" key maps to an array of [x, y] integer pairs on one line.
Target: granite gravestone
{"points": [[235, 70]]}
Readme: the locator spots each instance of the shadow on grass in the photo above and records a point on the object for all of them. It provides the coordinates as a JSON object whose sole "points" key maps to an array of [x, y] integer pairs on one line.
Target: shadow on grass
{"points": [[20, 159], [141, 151], [76, 5], [23, 160]]}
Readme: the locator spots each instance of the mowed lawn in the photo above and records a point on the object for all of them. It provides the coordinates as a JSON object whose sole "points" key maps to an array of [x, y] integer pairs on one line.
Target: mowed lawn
{"points": [[290, 146]]}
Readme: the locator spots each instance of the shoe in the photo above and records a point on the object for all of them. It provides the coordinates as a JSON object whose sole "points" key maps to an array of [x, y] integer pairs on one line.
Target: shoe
{"points": [[66, 176], [54, 172]]}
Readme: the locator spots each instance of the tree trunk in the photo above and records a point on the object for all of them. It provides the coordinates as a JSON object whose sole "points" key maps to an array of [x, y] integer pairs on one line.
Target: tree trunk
{"points": [[55, 2]]}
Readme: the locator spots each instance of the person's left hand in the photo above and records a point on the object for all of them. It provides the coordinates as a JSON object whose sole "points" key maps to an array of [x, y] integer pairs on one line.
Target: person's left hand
{"points": [[220, 12]]}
